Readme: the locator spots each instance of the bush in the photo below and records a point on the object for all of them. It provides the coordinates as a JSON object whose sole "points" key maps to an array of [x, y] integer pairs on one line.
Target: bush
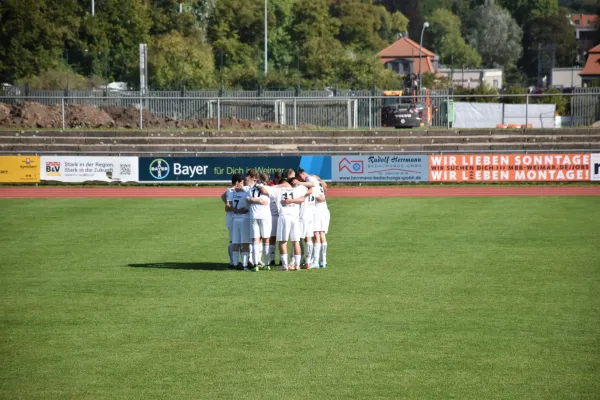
{"points": [[484, 89], [59, 79]]}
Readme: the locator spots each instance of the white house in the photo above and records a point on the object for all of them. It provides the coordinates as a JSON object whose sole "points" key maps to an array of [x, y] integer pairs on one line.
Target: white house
{"points": [[473, 78]]}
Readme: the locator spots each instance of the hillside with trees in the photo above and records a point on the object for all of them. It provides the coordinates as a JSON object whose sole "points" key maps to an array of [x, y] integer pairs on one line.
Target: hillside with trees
{"points": [[214, 44]]}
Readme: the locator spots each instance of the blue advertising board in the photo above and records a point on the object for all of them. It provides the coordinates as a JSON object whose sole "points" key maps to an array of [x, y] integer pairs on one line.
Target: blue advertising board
{"points": [[380, 168], [218, 169]]}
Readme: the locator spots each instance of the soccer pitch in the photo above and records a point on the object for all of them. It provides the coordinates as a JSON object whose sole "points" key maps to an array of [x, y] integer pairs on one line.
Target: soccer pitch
{"points": [[424, 298]]}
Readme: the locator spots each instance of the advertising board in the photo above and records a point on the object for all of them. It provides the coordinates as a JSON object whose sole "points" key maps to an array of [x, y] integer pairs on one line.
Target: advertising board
{"points": [[86, 169], [556, 167], [19, 169]]}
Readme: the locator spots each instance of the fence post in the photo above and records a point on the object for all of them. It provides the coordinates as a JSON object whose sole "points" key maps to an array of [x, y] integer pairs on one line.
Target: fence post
{"points": [[370, 113], [349, 111], [62, 110], [141, 111], [526, 111], [295, 114], [448, 110], [218, 113]]}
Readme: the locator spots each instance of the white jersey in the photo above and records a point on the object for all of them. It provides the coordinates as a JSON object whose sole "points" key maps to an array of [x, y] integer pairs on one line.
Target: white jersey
{"points": [[307, 209], [318, 190], [273, 203], [239, 200], [286, 192], [228, 214], [257, 210]]}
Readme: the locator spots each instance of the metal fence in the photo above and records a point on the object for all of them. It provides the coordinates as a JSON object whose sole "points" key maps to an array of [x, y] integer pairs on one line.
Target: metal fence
{"points": [[327, 109]]}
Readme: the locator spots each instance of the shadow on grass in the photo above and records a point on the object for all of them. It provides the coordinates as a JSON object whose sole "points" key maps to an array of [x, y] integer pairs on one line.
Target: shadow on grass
{"points": [[184, 265]]}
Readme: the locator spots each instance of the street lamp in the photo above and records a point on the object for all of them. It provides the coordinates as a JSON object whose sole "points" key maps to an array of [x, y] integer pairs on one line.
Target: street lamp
{"points": [[425, 25]]}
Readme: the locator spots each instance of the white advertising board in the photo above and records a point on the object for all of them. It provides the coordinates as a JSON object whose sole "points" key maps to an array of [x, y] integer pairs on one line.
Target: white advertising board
{"points": [[595, 167], [86, 169]]}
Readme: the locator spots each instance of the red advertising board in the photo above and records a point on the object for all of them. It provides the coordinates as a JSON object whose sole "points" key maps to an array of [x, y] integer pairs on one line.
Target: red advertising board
{"points": [[509, 167]]}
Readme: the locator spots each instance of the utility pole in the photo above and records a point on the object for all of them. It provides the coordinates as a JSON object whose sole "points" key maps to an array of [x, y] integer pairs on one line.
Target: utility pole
{"points": [[266, 40]]}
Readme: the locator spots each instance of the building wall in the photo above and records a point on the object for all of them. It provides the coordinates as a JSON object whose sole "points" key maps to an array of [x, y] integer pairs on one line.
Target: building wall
{"points": [[473, 78], [565, 77]]}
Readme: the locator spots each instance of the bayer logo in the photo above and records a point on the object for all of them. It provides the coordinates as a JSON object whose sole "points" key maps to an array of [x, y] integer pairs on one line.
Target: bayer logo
{"points": [[356, 167], [159, 168]]}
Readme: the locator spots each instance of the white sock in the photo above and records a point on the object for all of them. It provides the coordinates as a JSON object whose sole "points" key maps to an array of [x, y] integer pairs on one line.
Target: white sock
{"points": [[324, 253], [257, 250], [250, 253], [266, 254], [272, 249], [245, 259], [283, 258], [230, 252], [309, 253], [316, 253], [297, 259], [235, 257]]}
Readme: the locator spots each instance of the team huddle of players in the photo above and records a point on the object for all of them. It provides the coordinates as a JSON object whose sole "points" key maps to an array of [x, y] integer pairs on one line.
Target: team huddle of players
{"points": [[261, 213]]}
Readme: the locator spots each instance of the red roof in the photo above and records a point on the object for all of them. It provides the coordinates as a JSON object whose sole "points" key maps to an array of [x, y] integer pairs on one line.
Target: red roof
{"points": [[592, 65], [584, 20], [406, 48]]}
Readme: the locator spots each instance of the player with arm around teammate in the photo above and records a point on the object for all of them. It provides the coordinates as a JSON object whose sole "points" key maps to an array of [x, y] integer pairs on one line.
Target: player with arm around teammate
{"points": [[289, 199], [236, 181], [321, 222], [238, 203], [260, 216]]}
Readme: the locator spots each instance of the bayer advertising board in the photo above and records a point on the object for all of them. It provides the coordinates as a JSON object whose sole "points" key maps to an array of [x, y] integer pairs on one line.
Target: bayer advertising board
{"points": [[220, 169]]}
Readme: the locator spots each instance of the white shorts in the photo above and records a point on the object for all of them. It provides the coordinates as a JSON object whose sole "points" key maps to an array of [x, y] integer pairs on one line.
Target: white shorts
{"points": [[322, 221], [241, 231], [306, 228], [288, 228], [274, 221], [261, 228]]}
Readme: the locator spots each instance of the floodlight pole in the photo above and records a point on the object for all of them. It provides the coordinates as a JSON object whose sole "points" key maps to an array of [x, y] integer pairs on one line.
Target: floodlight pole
{"points": [[266, 39], [425, 25]]}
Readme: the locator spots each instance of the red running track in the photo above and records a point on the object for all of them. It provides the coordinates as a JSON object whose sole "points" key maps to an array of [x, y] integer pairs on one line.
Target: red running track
{"points": [[166, 192]]}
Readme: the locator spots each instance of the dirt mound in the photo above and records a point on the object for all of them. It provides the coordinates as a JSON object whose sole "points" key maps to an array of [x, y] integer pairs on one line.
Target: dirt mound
{"points": [[5, 111], [36, 115], [597, 123], [82, 116]]}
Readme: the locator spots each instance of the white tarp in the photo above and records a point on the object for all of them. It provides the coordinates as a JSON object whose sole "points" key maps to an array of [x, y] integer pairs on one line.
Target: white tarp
{"points": [[85, 169], [488, 115]]}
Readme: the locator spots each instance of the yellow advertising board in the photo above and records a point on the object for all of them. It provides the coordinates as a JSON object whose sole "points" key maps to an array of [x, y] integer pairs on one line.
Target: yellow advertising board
{"points": [[19, 169]]}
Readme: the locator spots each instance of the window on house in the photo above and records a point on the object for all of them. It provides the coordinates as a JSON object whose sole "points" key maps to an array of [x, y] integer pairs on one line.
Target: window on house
{"points": [[496, 83], [577, 22]]}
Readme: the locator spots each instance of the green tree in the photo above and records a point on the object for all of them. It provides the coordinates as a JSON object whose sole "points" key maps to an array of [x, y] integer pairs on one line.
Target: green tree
{"points": [[496, 36], [236, 31], [166, 18], [554, 35], [176, 61], [314, 32], [445, 39], [366, 26], [108, 43], [34, 35], [526, 10]]}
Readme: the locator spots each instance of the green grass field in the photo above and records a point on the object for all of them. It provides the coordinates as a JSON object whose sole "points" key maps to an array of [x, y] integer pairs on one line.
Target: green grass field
{"points": [[437, 298]]}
